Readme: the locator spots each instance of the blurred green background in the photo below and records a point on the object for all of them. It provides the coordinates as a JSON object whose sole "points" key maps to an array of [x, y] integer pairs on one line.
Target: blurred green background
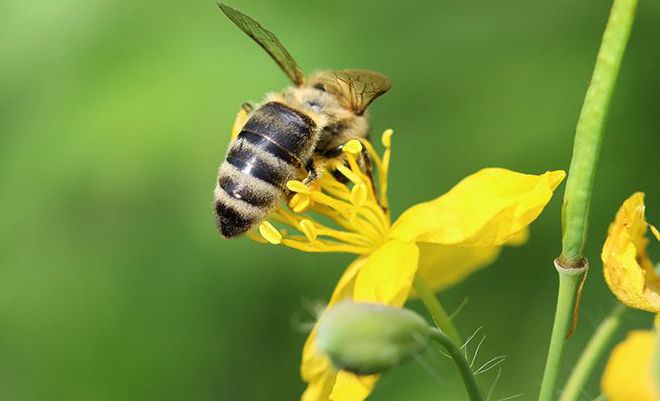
{"points": [[115, 115]]}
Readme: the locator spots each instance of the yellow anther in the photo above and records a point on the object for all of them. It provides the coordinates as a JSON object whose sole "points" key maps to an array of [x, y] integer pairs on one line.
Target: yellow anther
{"points": [[299, 202], [309, 229], [353, 146], [270, 233], [359, 195], [387, 138], [298, 187]]}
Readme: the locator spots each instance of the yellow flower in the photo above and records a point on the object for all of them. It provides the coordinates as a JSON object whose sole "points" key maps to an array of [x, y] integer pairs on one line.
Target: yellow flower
{"points": [[442, 241], [628, 270], [629, 374]]}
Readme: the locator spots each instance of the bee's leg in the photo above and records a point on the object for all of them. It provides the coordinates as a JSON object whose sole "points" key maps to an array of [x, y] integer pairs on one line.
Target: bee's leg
{"points": [[369, 171], [333, 153], [312, 174], [241, 119]]}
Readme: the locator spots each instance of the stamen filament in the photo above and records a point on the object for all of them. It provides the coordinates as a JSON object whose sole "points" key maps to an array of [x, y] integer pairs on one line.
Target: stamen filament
{"points": [[351, 225], [305, 246], [356, 207]]}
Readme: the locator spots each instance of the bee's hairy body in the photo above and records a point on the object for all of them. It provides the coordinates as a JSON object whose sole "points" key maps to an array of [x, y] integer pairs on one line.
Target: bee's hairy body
{"points": [[280, 141], [284, 137]]}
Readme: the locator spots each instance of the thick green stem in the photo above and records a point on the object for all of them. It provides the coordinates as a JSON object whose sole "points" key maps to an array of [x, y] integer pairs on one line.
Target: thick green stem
{"points": [[568, 282], [592, 354], [461, 363], [589, 131], [435, 309]]}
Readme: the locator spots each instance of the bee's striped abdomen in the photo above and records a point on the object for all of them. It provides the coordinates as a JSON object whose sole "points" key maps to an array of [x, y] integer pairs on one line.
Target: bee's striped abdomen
{"points": [[269, 151]]}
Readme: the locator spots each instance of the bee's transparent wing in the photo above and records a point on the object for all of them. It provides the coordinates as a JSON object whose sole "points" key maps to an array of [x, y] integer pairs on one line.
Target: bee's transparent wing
{"points": [[356, 88], [268, 41]]}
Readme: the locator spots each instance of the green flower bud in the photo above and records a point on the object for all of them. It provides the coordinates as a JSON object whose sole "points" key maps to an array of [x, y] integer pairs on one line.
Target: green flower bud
{"points": [[366, 338]]}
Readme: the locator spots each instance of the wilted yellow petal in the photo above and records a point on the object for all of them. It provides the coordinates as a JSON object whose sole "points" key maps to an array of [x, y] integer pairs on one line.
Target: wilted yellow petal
{"points": [[627, 268], [387, 275], [485, 209], [628, 375]]}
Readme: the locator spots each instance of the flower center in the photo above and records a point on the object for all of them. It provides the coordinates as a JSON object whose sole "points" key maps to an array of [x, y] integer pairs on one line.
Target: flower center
{"points": [[344, 210]]}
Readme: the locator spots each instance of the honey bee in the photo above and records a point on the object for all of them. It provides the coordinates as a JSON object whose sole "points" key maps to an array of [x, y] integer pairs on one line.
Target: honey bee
{"points": [[289, 133]]}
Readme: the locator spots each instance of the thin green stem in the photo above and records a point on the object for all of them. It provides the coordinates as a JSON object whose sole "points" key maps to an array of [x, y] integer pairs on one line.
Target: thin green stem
{"points": [[589, 131], [436, 310], [579, 186], [461, 363], [568, 282], [592, 354]]}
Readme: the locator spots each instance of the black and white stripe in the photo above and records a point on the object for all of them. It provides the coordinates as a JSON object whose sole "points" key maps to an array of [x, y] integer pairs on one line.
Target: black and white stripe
{"points": [[269, 151]]}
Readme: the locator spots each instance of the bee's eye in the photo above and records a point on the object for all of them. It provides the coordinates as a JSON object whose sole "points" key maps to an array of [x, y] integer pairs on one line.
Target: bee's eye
{"points": [[320, 87]]}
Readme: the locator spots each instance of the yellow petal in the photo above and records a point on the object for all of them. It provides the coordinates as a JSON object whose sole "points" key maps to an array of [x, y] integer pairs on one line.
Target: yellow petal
{"points": [[627, 268], [323, 381], [387, 275], [442, 266], [349, 387], [486, 209], [628, 375]]}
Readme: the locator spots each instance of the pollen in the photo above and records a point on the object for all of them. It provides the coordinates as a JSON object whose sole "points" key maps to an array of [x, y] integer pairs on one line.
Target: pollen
{"points": [[353, 146], [387, 138], [298, 187], [270, 233], [307, 227], [299, 202], [344, 210]]}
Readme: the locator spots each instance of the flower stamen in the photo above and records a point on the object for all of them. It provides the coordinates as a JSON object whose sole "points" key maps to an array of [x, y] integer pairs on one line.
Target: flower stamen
{"points": [[356, 207]]}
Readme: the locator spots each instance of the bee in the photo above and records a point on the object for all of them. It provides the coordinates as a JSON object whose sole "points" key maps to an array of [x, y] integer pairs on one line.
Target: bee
{"points": [[288, 133]]}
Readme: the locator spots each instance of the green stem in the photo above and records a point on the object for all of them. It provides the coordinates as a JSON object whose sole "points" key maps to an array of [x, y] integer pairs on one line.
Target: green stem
{"points": [[579, 186], [435, 309], [592, 354], [568, 282], [461, 363], [589, 131]]}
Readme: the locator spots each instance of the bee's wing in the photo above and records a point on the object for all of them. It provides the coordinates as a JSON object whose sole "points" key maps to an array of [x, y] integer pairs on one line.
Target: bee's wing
{"points": [[268, 41], [356, 88]]}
